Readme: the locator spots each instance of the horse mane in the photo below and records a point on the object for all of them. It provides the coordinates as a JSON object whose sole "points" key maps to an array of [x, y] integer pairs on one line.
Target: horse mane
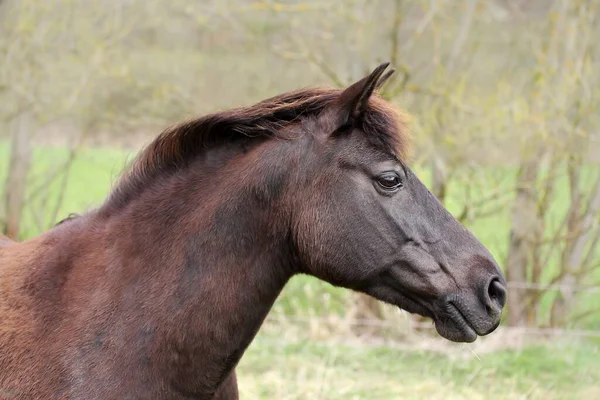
{"points": [[177, 146]]}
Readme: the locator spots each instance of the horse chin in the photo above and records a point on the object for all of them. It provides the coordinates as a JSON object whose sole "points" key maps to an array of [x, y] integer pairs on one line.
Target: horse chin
{"points": [[456, 330], [451, 324]]}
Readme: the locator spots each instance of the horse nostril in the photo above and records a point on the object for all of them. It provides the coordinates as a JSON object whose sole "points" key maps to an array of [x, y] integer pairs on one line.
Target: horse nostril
{"points": [[497, 292]]}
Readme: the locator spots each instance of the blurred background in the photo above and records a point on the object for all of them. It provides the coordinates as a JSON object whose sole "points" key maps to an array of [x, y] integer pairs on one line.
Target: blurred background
{"points": [[504, 99]]}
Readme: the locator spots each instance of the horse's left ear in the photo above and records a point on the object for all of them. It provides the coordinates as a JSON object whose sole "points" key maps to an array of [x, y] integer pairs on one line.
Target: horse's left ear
{"points": [[354, 99]]}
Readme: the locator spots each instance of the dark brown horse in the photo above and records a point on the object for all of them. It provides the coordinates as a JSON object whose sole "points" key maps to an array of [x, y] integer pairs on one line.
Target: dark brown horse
{"points": [[158, 292]]}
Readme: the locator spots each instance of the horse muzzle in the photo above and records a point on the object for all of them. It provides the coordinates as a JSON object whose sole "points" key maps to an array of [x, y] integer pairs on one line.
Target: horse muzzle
{"points": [[462, 316]]}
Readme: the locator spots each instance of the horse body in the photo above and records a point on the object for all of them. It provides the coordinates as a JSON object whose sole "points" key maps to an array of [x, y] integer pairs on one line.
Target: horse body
{"points": [[20, 316], [97, 328], [158, 292], [42, 303]]}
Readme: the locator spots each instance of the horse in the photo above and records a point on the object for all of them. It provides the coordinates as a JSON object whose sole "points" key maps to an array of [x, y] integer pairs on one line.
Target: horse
{"points": [[158, 291]]}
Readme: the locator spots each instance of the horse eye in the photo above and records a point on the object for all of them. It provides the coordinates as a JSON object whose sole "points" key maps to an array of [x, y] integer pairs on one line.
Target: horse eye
{"points": [[389, 181]]}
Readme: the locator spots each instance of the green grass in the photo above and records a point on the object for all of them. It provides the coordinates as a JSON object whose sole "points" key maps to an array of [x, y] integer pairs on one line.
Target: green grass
{"points": [[88, 182], [276, 369]]}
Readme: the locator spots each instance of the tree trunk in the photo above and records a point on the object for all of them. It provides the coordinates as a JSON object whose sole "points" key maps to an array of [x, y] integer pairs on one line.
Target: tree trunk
{"points": [[574, 255], [18, 170], [524, 227]]}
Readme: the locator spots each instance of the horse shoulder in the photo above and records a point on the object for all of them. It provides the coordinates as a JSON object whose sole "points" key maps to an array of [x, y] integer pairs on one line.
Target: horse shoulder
{"points": [[21, 369]]}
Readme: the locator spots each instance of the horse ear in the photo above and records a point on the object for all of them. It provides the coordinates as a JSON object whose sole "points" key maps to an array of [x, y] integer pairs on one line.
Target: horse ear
{"points": [[384, 78], [354, 99]]}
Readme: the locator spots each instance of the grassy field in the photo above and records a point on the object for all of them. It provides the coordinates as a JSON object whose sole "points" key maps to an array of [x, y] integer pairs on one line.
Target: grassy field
{"points": [[311, 364], [286, 369]]}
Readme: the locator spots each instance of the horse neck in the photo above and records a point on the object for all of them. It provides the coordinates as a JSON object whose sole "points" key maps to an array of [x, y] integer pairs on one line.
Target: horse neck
{"points": [[202, 260]]}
